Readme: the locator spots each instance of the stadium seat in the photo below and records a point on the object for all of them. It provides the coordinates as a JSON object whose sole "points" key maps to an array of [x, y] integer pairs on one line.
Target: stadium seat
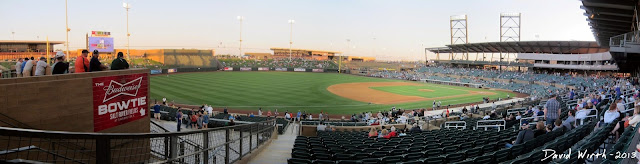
{"points": [[323, 162], [502, 155], [438, 159], [298, 161], [349, 162], [454, 157], [392, 159]]}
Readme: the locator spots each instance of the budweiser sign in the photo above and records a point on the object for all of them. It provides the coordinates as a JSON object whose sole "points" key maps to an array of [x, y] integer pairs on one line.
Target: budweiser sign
{"points": [[123, 100], [116, 89]]}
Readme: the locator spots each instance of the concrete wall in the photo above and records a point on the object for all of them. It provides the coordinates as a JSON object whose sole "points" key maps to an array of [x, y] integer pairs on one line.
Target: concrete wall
{"points": [[61, 102]]}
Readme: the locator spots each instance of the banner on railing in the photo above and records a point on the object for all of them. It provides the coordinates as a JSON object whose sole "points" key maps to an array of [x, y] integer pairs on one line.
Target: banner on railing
{"points": [[172, 70], [119, 99], [245, 68], [228, 68], [318, 70], [156, 71], [281, 69], [299, 69], [263, 68]]}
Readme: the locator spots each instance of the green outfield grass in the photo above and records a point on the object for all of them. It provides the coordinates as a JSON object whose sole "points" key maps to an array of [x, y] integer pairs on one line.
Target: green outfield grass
{"points": [[292, 91]]}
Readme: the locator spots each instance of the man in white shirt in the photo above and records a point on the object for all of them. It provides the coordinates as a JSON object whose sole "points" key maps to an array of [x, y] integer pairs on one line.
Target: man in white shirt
{"points": [[210, 110], [320, 116], [41, 66], [19, 67], [321, 127], [28, 67]]}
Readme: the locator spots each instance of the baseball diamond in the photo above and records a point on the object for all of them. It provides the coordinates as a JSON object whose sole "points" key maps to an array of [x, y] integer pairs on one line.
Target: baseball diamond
{"points": [[311, 92]]}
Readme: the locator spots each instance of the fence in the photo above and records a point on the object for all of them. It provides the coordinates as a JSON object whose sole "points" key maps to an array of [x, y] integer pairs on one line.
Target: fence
{"points": [[587, 113], [215, 145], [455, 124], [486, 124]]}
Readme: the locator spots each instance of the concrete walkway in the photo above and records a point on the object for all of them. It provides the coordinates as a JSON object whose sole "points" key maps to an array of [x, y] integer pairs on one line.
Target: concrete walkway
{"points": [[459, 109], [280, 149]]}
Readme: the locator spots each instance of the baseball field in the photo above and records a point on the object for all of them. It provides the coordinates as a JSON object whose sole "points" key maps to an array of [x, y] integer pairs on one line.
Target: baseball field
{"points": [[311, 92]]}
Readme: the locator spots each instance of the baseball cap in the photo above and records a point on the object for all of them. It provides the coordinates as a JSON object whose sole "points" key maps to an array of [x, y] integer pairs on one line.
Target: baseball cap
{"points": [[95, 51], [59, 54], [43, 58], [525, 123], [85, 51]]}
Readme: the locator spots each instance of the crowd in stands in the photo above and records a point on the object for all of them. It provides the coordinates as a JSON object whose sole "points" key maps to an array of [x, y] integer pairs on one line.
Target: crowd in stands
{"points": [[30, 67], [279, 63]]}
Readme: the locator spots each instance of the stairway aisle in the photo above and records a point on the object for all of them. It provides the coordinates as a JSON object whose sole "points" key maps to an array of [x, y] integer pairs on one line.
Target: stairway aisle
{"points": [[280, 149]]}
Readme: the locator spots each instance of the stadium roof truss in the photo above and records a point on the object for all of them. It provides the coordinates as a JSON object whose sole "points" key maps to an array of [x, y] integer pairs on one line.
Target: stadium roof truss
{"points": [[547, 47], [609, 18]]}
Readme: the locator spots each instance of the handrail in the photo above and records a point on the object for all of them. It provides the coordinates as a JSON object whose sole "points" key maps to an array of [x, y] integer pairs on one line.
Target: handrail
{"points": [[504, 124], [589, 115], [455, 124], [531, 118]]}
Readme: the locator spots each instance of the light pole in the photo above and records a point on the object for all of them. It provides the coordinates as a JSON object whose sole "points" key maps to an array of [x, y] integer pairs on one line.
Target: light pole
{"points": [[66, 17], [291, 21], [240, 18], [127, 6]]}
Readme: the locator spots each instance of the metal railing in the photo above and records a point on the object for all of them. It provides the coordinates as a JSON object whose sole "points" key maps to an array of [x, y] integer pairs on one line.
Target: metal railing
{"points": [[215, 145], [455, 124], [588, 115], [622, 39], [531, 119], [486, 124]]}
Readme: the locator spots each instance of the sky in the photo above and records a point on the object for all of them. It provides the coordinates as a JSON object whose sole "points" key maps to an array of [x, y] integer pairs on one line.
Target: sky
{"points": [[388, 30]]}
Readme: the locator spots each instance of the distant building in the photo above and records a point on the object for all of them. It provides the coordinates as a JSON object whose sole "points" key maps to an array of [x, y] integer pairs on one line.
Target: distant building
{"points": [[13, 49], [283, 53]]}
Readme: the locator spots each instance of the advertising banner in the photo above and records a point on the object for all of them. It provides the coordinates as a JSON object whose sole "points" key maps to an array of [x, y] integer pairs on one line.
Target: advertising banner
{"points": [[102, 44], [156, 71], [172, 70], [119, 99], [228, 68], [263, 68], [318, 70], [281, 69], [299, 69], [245, 68]]}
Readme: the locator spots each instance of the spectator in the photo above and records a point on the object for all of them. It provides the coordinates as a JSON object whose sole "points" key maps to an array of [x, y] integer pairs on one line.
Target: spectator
{"points": [[60, 67], [540, 129], [19, 67], [551, 110], [28, 68], [156, 111], [41, 66], [383, 133], [373, 132], [251, 115], [164, 101], [225, 111], [194, 120], [320, 116], [558, 125], [518, 116], [82, 63], [620, 105], [570, 121], [415, 128], [179, 118], [523, 136], [210, 110], [393, 133], [231, 123], [259, 111], [287, 116], [321, 127], [200, 120], [611, 114], [205, 120], [633, 121], [23, 64], [119, 62]]}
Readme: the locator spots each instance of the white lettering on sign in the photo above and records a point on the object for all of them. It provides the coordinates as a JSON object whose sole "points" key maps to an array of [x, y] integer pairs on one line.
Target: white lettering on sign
{"points": [[122, 106], [116, 89]]}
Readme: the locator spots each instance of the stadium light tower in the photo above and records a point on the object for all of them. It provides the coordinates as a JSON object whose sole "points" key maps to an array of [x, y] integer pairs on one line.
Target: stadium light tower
{"points": [[291, 21], [127, 6], [459, 31], [240, 18], [66, 17]]}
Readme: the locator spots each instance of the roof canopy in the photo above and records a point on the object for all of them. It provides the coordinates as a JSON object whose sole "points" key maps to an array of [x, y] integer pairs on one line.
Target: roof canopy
{"points": [[549, 47], [609, 18], [293, 49], [29, 42]]}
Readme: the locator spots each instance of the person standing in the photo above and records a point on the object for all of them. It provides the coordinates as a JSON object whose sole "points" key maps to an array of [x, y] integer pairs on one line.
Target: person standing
{"points": [[82, 63], [19, 67], [95, 65], [60, 67], [164, 101], [179, 118], [156, 111], [551, 110], [41, 66], [28, 67], [119, 63]]}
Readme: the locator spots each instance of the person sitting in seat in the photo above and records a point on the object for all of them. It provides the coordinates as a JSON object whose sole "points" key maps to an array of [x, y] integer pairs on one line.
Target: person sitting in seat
{"points": [[540, 129], [373, 133], [558, 125], [383, 133], [523, 136]]}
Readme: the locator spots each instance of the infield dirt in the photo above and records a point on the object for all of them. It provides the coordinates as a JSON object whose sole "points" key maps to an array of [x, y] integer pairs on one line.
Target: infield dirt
{"points": [[363, 92]]}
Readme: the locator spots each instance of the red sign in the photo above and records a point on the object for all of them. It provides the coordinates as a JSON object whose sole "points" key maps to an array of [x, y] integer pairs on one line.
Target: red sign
{"points": [[119, 99]]}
